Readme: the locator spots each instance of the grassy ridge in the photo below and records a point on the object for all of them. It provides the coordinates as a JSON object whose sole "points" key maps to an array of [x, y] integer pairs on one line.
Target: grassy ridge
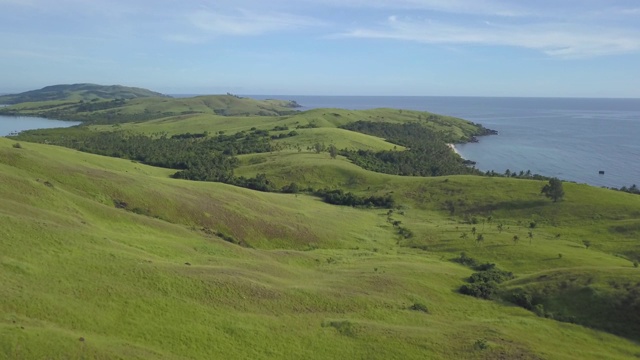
{"points": [[75, 266], [78, 92]]}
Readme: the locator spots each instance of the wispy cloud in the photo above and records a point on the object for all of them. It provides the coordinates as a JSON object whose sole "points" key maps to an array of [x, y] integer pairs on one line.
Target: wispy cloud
{"points": [[558, 40], [475, 7], [244, 23]]}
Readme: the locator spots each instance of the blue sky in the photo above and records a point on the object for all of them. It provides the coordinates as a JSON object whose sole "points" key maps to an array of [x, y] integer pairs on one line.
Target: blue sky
{"points": [[575, 48]]}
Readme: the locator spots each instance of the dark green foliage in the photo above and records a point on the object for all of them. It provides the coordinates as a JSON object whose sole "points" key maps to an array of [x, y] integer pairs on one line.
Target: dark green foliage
{"points": [[553, 190], [290, 189], [465, 260], [419, 307], [339, 197], [492, 275], [17, 146], [480, 290], [483, 283], [427, 154], [633, 189], [260, 183]]}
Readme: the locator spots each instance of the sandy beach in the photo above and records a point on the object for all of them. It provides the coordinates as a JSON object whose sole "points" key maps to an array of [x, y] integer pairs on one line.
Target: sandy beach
{"points": [[453, 147]]}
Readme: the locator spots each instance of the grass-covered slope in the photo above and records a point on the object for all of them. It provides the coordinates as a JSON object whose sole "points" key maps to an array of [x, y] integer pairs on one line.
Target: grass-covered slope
{"points": [[85, 279], [78, 92]]}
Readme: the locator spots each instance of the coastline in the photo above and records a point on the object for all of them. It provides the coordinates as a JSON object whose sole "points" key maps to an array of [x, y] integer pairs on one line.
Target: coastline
{"points": [[455, 150]]}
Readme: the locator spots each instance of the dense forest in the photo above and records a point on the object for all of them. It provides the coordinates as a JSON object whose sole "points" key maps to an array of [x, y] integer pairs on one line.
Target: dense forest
{"points": [[427, 152]]}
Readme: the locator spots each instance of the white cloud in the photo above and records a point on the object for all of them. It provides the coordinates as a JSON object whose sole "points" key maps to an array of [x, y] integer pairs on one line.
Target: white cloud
{"points": [[558, 40], [244, 22]]}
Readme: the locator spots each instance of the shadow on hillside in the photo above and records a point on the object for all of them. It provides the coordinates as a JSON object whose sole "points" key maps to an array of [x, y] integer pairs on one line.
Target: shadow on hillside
{"points": [[509, 205]]}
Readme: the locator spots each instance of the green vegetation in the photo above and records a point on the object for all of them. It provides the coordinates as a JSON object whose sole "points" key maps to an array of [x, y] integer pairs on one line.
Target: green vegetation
{"points": [[553, 190], [110, 257], [87, 93]]}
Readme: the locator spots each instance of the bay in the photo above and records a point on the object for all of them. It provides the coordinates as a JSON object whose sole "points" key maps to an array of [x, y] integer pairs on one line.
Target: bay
{"points": [[14, 124], [569, 138]]}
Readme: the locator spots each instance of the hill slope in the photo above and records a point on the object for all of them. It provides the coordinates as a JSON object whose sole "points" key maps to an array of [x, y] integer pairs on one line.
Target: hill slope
{"points": [[78, 92], [107, 258]]}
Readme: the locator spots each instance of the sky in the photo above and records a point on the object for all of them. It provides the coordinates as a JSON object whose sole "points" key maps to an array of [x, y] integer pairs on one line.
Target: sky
{"points": [[542, 48]]}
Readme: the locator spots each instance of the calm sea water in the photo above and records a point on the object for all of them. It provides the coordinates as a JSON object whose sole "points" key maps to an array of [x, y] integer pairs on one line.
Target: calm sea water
{"points": [[13, 124], [572, 139]]}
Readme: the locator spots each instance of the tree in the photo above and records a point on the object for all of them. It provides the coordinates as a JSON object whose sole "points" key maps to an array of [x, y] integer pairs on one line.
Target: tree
{"points": [[473, 230], [530, 236], [553, 190], [587, 243], [516, 238], [479, 239], [463, 236], [333, 151]]}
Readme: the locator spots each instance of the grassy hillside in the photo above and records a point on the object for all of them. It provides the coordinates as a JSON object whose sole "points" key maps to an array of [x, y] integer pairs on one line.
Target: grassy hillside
{"points": [[85, 279], [108, 105], [111, 258], [78, 92]]}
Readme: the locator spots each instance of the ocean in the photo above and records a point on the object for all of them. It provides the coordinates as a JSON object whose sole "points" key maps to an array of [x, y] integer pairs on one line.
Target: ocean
{"points": [[569, 138]]}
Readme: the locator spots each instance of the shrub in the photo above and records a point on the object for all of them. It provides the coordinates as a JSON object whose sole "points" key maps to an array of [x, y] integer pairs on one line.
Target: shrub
{"points": [[465, 260], [482, 290], [17, 146], [481, 344], [419, 307], [344, 327], [636, 264]]}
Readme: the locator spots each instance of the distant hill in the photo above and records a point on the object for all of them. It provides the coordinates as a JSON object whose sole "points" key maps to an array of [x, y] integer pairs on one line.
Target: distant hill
{"points": [[78, 92], [116, 104]]}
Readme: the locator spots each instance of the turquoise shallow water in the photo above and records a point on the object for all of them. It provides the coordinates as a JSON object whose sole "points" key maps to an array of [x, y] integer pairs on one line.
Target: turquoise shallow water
{"points": [[572, 139]]}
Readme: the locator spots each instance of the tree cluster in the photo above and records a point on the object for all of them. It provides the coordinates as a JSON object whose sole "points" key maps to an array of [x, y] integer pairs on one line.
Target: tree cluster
{"points": [[427, 152]]}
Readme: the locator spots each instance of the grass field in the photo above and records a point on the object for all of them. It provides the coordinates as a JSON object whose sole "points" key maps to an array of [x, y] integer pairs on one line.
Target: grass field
{"points": [[106, 258], [84, 279]]}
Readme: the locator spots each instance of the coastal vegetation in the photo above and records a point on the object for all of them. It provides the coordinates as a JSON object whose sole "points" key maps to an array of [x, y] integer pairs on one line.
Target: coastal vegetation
{"points": [[259, 234]]}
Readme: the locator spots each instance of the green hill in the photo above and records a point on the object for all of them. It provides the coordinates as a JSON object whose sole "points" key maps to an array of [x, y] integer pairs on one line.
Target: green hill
{"points": [[78, 92], [109, 105], [104, 257]]}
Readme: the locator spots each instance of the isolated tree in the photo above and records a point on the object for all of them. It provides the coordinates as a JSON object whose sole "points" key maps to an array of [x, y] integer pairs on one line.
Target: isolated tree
{"points": [[480, 239], [516, 238], [473, 230], [333, 151], [587, 243], [553, 190], [500, 227], [464, 235], [530, 236], [318, 147]]}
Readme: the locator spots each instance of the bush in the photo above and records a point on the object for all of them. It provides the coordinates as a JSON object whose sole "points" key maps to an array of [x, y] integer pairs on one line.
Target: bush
{"points": [[482, 290], [481, 344], [493, 275], [17, 146], [419, 307], [465, 260]]}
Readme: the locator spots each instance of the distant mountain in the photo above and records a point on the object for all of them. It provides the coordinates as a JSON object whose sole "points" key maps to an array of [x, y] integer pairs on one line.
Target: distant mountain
{"points": [[77, 92]]}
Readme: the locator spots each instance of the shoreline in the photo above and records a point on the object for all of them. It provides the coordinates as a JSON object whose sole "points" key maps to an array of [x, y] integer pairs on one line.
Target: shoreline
{"points": [[455, 150]]}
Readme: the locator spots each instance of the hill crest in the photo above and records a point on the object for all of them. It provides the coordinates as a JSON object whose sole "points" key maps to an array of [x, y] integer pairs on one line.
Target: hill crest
{"points": [[77, 92]]}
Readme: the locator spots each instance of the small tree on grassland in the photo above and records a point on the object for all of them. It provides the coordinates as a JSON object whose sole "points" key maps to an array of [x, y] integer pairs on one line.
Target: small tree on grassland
{"points": [[553, 190]]}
